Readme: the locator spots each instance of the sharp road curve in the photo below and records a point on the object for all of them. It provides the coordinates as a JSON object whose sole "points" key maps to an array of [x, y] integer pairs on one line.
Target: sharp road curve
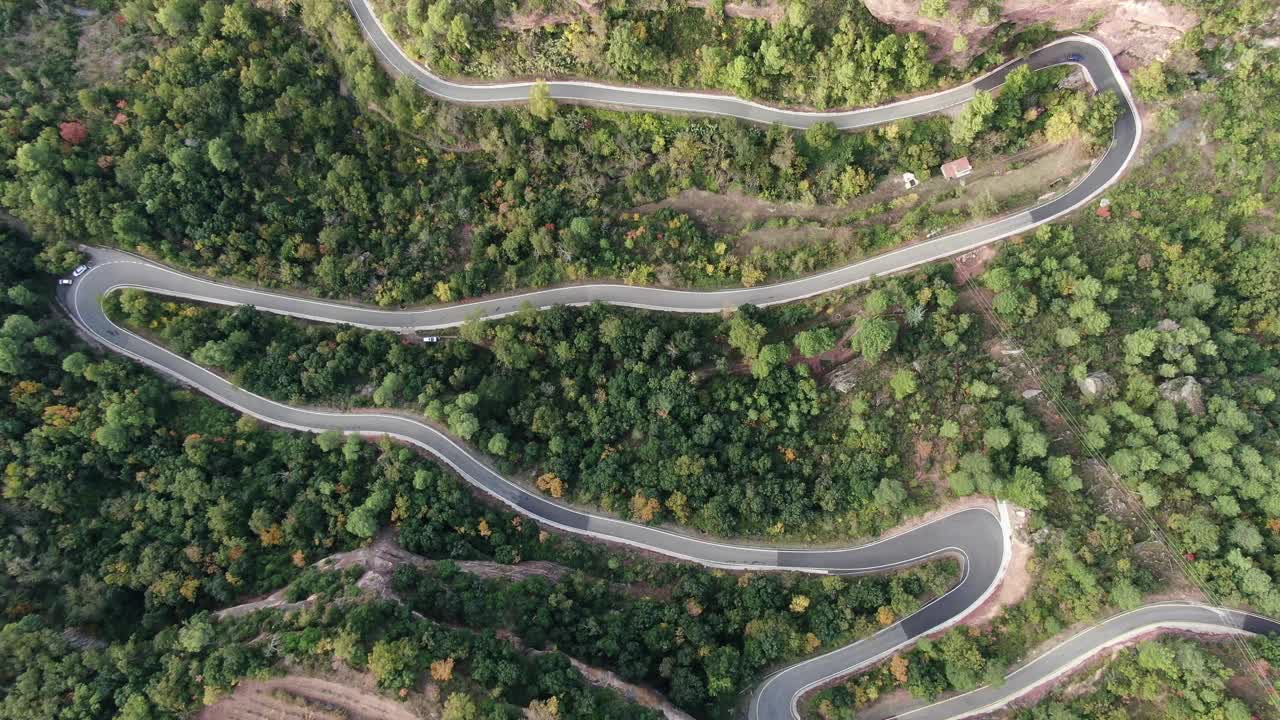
{"points": [[978, 537]]}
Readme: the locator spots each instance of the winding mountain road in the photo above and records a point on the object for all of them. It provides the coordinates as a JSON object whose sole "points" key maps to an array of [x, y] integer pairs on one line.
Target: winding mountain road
{"points": [[978, 537]]}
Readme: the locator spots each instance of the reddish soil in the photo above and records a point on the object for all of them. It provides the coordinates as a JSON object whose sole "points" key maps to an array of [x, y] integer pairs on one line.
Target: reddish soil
{"points": [[973, 263], [929, 463], [1137, 31]]}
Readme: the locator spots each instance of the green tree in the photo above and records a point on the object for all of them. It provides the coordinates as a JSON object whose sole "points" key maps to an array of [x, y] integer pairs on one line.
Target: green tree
{"points": [[460, 706], [745, 335], [130, 228], [195, 634], [769, 358], [903, 383], [498, 444], [330, 440], [1124, 595], [852, 182], [22, 296], [389, 389], [540, 102], [1150, 83], [19, 326], [935, 9], [874, 337], [973, 119], [816, 341], [75, 363], [221, 156], [394, 663], [997, 438], [176, 17]]}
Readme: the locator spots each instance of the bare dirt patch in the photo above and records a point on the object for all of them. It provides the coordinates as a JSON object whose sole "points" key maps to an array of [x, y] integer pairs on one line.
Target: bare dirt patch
{"points": [[566, 13], [297, 697], [384, 555], [1037, 167], [101, 53], [929, 466], [1244, 684], [795, 224], [608, 679], [769, 10], [732, 211], [973, 299], [379, 560], [973, 263]]}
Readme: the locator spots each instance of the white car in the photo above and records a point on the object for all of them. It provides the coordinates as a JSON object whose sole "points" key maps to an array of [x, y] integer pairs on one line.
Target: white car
{"points": [[64, 281], [80, 270], [431, 339]]}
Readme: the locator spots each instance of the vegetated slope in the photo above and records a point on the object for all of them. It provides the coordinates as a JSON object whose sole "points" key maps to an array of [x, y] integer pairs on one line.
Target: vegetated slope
{"points": [[130, 508], [1136, 31], [1154, 324], [251, 164]]}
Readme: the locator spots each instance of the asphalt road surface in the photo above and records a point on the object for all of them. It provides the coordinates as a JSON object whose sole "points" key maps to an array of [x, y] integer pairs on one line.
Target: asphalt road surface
{"points": [[977, 537]]}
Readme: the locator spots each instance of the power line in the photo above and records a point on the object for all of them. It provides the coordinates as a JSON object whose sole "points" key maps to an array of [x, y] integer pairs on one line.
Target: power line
{"points": [[1153, 527]]}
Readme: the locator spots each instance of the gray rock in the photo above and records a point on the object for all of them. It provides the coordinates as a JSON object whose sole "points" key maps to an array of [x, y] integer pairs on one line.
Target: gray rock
{"points": [[1028, 394], [1185, 391], [1096, 385]]}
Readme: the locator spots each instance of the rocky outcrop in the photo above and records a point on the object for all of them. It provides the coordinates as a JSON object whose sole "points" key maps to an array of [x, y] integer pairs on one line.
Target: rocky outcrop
{"points": [[1096, 385], [1136, 31], [1185, 391]]}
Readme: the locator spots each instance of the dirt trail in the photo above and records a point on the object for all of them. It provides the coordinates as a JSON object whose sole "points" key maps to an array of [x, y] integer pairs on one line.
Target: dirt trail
{"points": [[380, 559]]}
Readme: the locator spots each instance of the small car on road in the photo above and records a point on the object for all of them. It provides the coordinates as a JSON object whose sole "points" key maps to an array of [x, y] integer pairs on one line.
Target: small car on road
{"points": [[80, 270], [64, 281]]}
